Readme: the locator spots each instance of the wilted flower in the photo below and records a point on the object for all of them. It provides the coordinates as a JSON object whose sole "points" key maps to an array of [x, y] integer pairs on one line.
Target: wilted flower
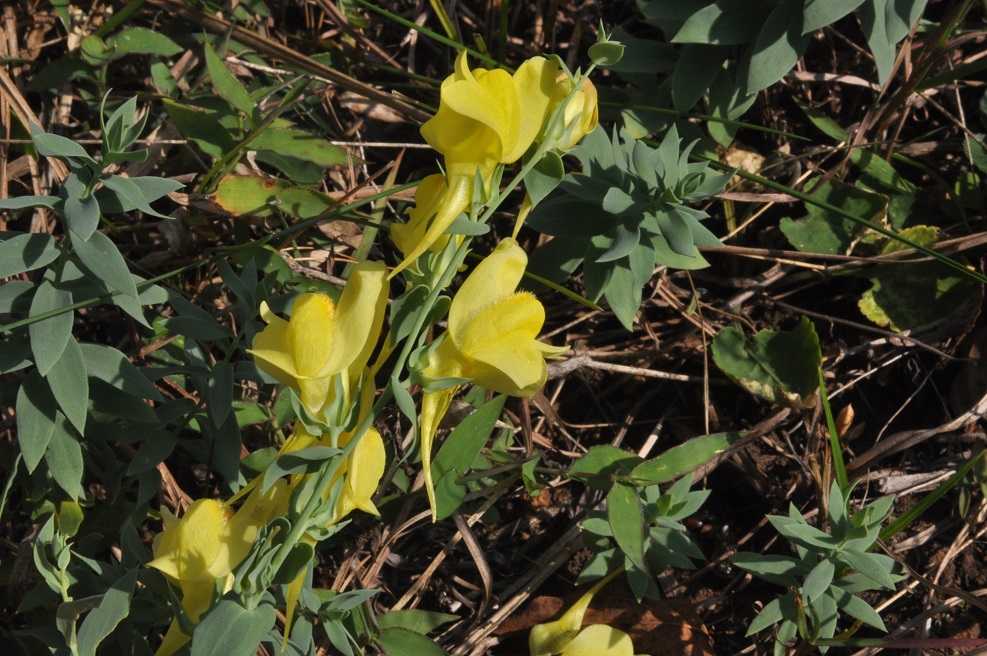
{"points": [[486, 118], [491, 339], [322, 338], [566, 637], [428, 201]]}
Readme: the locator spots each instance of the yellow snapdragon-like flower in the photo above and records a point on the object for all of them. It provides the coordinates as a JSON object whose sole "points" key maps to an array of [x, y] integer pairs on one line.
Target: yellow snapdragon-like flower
{"points": [[322, 338], [491, 339], [493, 329], [566, 637], [202, 549], [486, 118]]}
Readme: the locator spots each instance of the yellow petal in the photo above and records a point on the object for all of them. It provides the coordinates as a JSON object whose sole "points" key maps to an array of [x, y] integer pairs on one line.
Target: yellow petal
{"points": [[600, 640], [364, 471], [358, 318], [428, 199], [272, 352], [494, 278], [454, 202], [552, 637], [313, 323], [479, 112], [173, 641], [500, 342], [192, 552], [256, 511], [291, 594], [297, 352], [434, 407], [534, 83], [197, 597]]}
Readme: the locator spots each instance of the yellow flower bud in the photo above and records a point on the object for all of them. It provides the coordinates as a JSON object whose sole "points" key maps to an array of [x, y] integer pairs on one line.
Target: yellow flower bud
{"points": [[581, 114]]}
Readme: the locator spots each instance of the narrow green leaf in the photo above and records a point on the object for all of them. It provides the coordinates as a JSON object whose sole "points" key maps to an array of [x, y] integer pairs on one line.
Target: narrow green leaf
{"points": [[36, 410], [780, 570], [141, 41], [826, 125], [228, 87], [399, 641], [49, 336], [770, 614], [544, 177], [458, 452], [196, 328], [303, 461], [857, 608], [70, 385], [779, 45], [682, 459], [111, 366], [219, 392], [818, 580], [26, 252], [695, 69], [101, 257], [103, 619], [627, 522], [417, 621], [200, 128], [727, 22], [291, 142], [879, 174], [231, 630], [79, 211], [298, 559], [151, 189], [23, 202], [876, 567], [820, 13], [53, 145], [64, 458], [132, 194], [601, 464]]}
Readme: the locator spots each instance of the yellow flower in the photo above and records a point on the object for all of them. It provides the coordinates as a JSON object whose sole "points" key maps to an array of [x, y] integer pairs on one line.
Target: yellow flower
{"points": [[493, 329], [485, 119], [581, 114], [491, 339], [563, 636], [322, 338], [203, 548], [428, 200]]}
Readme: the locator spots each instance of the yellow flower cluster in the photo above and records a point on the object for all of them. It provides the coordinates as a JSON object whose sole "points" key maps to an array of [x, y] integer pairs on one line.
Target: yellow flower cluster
{"points": [[488, 118], [321, 341]]}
